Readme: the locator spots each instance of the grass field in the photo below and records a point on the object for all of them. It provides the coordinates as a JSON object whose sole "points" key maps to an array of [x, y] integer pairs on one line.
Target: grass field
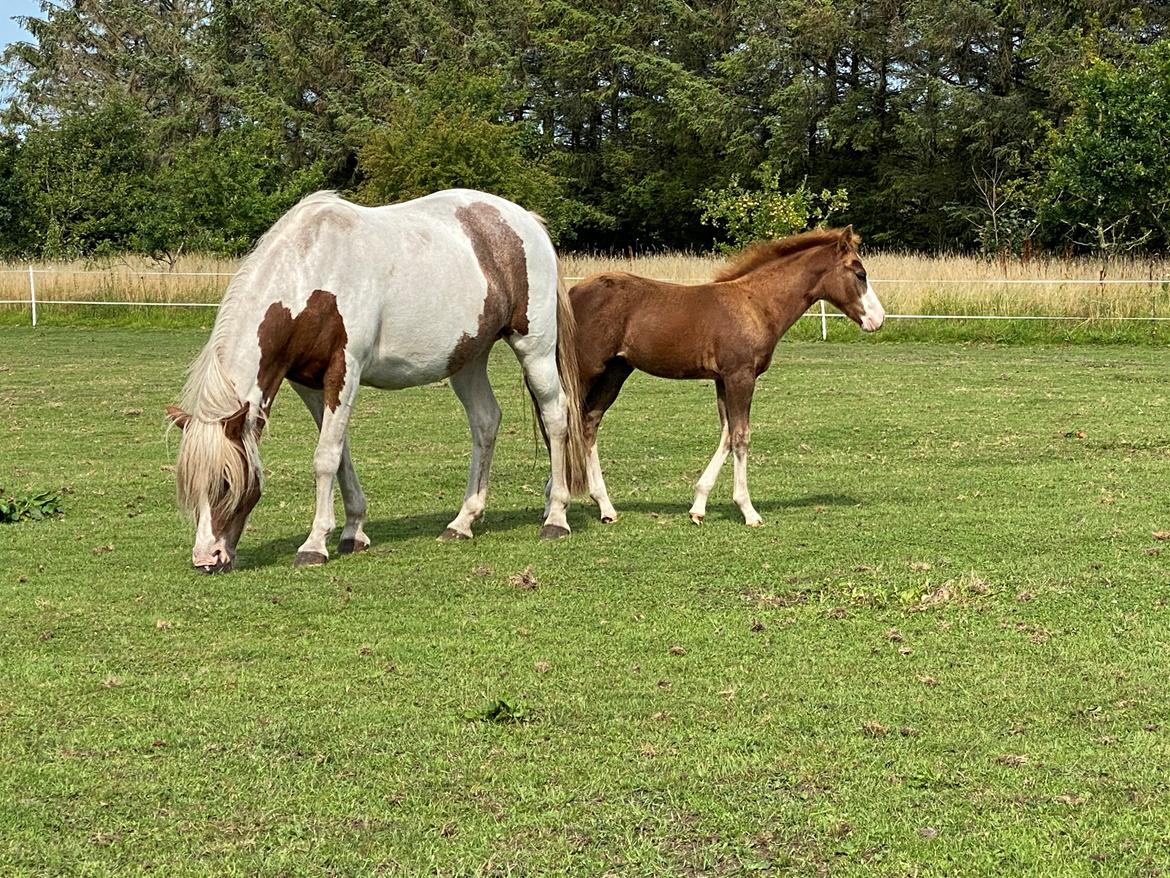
{"points": [[946, 653]]}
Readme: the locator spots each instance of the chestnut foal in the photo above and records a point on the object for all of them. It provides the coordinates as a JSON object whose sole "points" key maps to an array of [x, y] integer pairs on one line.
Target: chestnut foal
{"points": [[726, 330]]}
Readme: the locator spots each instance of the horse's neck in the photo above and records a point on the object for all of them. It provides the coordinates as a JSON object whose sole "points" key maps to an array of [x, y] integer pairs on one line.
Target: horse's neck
{"points": [[239, 358]]}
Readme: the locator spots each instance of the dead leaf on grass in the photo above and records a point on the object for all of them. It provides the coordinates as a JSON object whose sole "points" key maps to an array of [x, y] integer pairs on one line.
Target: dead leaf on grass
{"points": [[1162, 535], [163, 625], [927, 680], [101, 550], [542, 667], [678, 650], [481, 571], [928, 832], [525, 580], [1013, 759], [873, 728], [920, 566], [894, 636]]}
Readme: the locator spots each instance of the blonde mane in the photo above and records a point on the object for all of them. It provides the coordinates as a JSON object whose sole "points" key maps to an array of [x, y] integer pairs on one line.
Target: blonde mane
{"points": [[768, 251], [212, 468]]}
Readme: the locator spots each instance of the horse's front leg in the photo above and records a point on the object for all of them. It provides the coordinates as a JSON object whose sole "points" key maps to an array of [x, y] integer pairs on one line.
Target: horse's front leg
{"points": [[739, 407], [353, 535], [327, 459], [483, 416]]}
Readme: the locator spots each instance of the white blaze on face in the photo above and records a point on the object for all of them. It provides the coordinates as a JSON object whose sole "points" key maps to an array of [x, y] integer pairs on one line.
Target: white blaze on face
{"points": [[874, 314], [206, 544]]}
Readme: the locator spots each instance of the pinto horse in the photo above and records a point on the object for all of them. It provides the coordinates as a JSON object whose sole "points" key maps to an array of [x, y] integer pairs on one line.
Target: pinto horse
{"points": [[336, 295], [725, 330]]}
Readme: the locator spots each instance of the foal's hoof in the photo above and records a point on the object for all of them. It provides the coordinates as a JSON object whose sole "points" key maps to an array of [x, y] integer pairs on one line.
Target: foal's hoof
{"points": [[553, 532], [696, 518], [450, 535], [758, 522], [609, 519], [351, 547], [309, 559]]}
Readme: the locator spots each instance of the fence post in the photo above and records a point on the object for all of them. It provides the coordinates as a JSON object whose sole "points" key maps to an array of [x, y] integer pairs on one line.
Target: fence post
{"points": [[824, 324], [32, 294]]}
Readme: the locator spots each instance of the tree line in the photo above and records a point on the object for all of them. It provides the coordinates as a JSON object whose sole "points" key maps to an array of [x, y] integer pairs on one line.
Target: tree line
{"points": [[165, 126]]}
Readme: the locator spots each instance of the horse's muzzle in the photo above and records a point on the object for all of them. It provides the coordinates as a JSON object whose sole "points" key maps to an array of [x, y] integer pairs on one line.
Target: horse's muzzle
{"points": [[217, 567]]}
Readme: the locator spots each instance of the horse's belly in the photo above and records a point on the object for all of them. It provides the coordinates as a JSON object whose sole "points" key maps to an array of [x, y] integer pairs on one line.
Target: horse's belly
{"points": [[395, 372]]}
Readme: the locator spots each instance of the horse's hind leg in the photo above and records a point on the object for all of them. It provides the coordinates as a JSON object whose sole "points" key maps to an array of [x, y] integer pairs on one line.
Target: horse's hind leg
{"points": [[544, 383], [483, 416], [353, 537], [602, 394], [711, 473]]}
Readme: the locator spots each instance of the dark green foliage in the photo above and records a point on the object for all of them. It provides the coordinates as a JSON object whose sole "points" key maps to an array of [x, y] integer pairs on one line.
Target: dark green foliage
{"points": [[192, 124], [501, 711], [29, 507]]}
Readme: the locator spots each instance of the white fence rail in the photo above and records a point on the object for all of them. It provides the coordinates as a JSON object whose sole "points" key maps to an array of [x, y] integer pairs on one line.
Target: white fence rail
{"points": [[32, 301]]}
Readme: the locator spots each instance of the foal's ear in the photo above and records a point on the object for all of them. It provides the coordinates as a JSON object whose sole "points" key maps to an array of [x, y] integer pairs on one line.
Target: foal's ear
{"points": [[178, 417], [233, 425], [848, 240]]}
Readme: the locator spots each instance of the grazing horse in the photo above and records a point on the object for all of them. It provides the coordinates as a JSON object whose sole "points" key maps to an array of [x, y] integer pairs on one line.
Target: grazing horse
{"points": [[725, 330], [336, 295]]}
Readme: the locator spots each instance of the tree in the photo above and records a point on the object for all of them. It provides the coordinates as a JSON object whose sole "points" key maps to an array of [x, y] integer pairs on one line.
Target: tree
{"points": [[1103, 174]]}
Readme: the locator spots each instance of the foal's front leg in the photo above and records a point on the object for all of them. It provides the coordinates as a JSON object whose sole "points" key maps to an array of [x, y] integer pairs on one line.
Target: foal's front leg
{"points": [[326, 460], [739, 407]]}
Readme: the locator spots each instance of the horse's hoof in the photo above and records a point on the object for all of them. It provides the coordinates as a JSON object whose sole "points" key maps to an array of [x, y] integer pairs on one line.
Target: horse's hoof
{"points": [[553, 532], [450, 535], [310, 559], [696, 518], [609, 519], [351, 547], [759, 522]]}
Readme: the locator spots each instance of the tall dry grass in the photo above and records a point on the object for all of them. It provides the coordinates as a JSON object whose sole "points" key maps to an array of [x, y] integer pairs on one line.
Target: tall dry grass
{"points": [[907, 283], [914, 284]]}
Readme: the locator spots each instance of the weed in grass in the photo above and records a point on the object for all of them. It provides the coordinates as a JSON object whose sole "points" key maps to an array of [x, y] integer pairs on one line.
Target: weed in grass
{"points": [[29, 507], [503, 710]]}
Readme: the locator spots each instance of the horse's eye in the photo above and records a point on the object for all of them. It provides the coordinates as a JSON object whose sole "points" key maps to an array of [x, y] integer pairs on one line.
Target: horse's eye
{"points": [[860, 275]]}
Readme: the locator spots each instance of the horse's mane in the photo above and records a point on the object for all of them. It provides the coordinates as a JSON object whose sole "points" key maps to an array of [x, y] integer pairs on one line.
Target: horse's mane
{"points": [[767, 251], [210, 467]]}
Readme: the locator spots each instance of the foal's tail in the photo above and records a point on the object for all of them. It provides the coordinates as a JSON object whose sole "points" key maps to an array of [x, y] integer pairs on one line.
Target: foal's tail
{"points": [[576, 452]]}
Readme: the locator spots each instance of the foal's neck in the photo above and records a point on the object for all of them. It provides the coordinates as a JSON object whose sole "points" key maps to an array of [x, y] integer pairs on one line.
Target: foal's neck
{"points": [[782, 290]]}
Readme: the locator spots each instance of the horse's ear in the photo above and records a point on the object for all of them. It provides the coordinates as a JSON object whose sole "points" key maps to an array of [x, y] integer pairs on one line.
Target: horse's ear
{"points": [[233, 425], [178, 417], [848, 239]]}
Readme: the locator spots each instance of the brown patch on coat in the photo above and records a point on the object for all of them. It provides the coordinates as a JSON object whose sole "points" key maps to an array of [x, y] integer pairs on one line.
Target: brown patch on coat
{"points": [[309, 349], [500, 253]]}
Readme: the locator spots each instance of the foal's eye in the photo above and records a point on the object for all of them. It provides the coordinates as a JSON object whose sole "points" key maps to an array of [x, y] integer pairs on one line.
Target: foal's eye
{"points": [[860, 275]]}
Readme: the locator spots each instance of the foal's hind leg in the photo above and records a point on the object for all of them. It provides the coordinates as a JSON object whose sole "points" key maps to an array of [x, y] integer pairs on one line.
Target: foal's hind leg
{"points": [[483, 415], [711, 473], [602, 394], [353, 538]]}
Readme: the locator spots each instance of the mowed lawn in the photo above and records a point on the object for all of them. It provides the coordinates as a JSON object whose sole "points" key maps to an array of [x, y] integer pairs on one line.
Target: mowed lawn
{"points": [[946, 653]]}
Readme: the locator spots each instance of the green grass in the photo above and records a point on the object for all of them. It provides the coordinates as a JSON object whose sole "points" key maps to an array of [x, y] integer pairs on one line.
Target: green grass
{"points": [[946, 653]]}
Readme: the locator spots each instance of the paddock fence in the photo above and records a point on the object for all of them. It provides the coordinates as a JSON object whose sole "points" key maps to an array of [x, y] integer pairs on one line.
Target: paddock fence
{"points": [[32, 278]]}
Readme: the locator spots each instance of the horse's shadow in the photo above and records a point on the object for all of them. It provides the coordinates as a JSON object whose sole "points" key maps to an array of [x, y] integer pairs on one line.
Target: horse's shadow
{"points": [[582, 518]]}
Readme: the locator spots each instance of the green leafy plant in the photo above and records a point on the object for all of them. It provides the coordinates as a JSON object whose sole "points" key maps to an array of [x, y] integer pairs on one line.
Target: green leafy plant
{"points": [[503, 710], [768, 212], [29, 507]]}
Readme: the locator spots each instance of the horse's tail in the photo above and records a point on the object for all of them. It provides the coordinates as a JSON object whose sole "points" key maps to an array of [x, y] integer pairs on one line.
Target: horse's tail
{"points": [[576, 453]]}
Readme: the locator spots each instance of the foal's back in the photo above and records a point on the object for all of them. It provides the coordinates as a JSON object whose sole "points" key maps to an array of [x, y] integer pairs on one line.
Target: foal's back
{"points": [[666, 329]]}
